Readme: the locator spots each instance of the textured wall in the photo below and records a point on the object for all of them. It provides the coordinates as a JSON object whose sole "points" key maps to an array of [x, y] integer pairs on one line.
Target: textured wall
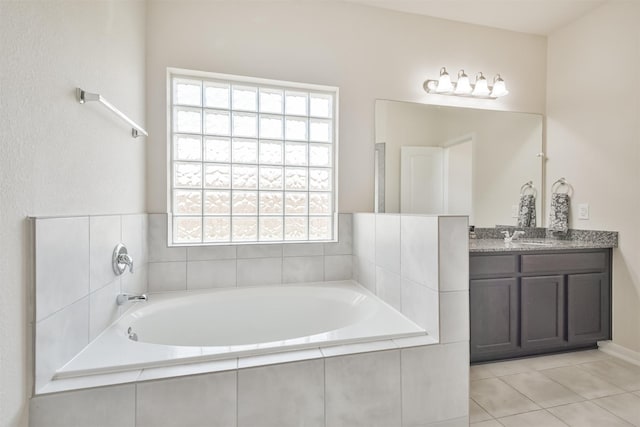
{"points": [[593, 134], [368, 52], [58, 157]]}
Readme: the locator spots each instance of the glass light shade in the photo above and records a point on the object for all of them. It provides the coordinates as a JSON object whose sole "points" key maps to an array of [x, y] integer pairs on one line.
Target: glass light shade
{"points": [[499, 87], [463, 87], [444, 82], [482, 88]]}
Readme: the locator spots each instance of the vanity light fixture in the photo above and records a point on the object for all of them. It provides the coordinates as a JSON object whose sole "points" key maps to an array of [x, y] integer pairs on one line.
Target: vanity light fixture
{"points": [[481, 88], [463, 86], [444, 82], [499, 88]]}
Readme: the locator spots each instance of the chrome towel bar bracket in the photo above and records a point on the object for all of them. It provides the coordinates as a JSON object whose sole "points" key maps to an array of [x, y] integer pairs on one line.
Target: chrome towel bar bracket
{"points": [[83, 97]]}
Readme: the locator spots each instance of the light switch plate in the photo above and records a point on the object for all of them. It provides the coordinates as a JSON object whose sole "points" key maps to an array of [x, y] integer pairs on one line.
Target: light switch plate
{"points": [[583, 211], [514, 211]]}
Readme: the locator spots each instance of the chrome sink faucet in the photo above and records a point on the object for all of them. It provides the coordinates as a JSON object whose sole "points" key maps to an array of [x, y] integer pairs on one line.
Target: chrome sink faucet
{"points": [[516, 234], [124, 298]]}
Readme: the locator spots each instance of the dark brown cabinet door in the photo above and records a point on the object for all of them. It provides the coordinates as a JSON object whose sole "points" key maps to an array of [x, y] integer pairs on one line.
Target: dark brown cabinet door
{"points": [[588, 313], [493, 305], [542, 312]]}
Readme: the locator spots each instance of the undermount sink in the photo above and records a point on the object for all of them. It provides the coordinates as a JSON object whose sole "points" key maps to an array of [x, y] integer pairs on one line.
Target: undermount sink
{"points": [[522, 243]]}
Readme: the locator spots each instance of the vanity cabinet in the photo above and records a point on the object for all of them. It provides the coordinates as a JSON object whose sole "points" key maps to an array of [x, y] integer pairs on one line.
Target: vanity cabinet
{"points": [[526, 303]]}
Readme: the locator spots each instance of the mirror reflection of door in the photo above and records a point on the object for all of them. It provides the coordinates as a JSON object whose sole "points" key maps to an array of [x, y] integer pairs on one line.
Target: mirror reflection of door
{"points": [[421, 180], [458, 177], [503, 155], [437, 180]]}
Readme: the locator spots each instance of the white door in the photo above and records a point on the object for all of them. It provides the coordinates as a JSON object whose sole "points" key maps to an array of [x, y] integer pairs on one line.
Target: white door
{"points": [[458, 178], [421, 180]]}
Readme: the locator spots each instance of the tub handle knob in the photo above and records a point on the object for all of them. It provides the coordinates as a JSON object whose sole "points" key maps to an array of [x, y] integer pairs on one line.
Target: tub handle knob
{"points": [[121, 259], [132, 335]]}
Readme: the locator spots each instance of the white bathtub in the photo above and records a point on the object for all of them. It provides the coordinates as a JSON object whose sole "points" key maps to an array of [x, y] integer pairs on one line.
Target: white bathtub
{"points": [[186, 327]]}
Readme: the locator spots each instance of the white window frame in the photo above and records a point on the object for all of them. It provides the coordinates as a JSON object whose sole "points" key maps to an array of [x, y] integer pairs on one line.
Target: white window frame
{"points": [[231, 79]]}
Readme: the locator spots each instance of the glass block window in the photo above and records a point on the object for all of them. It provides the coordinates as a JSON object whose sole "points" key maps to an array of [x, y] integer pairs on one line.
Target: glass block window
{"points": [[252, 160]]}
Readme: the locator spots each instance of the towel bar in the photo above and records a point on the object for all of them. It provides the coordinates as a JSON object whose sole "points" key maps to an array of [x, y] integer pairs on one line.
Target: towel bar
{"points": [[136, 130]]}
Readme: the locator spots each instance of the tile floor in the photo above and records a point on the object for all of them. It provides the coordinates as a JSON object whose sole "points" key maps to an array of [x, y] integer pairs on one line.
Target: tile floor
{"points": [[583, 389]]}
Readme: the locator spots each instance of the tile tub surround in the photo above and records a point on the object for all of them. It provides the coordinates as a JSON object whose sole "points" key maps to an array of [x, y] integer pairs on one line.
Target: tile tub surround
{"points": [[75, 287], [381, 388], [419, 264], [333, 386], [201, 267]]}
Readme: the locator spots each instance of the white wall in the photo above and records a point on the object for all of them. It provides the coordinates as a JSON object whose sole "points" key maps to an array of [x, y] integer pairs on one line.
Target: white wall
{"points": [[593, 139], [58, 157], [368, 52]]}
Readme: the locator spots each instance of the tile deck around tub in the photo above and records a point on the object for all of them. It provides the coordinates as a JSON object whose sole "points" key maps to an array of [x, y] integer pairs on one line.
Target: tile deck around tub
{"points": [[582, 389], [187, 369]]}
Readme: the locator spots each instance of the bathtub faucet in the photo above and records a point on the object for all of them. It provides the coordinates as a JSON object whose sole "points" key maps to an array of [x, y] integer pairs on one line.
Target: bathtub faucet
{"points": [[123, 298]]}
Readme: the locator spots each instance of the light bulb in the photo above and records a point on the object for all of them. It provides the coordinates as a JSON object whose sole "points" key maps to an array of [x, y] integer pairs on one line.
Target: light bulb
{"points": [[463, 87], [482, 88], [444, 82], [499, 87]]}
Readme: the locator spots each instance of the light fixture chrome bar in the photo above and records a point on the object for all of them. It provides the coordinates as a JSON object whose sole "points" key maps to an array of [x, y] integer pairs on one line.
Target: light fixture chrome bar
{"points": [[136, 130], [463, 88], [430, 85]]}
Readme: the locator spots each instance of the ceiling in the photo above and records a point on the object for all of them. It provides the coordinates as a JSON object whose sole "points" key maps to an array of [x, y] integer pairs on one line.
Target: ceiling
{"points": [[528, 16]]}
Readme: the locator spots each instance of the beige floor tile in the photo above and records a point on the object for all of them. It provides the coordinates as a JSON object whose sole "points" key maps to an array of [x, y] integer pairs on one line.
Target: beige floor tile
{"points": [[476, 413], [584, 356], [479, 372], [541, 389], [489, 423], [500, 399], [582, 382], [637, 393], [625, 406], [532, 419], [549, 362], [587, 414], [509, 367], [617, 372]]}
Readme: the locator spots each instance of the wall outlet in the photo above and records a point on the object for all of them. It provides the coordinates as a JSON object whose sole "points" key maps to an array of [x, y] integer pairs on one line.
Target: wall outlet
{"points": [[514, 211], [583, 211]]}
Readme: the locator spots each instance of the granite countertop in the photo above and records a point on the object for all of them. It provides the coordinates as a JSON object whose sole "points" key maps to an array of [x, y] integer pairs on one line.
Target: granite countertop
{"points": [[544, 244]]}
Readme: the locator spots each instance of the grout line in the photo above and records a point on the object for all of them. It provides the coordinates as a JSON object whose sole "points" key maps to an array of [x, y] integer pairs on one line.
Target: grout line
{"points": [[237, 373], [401, 394], [89, 280], [35, 322], [520, 393], [557, 418], [607, 409], [485, 409], [186, 275], [324, 387], [584, 399], [135, 401]]}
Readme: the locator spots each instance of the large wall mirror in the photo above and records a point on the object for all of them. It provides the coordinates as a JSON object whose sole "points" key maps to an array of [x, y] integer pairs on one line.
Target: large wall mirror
{"points": [[448, 160]]}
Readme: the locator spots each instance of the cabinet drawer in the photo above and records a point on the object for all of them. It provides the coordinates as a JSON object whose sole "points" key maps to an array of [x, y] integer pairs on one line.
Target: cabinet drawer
{"points": [[567, 262], [493, 265]]}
